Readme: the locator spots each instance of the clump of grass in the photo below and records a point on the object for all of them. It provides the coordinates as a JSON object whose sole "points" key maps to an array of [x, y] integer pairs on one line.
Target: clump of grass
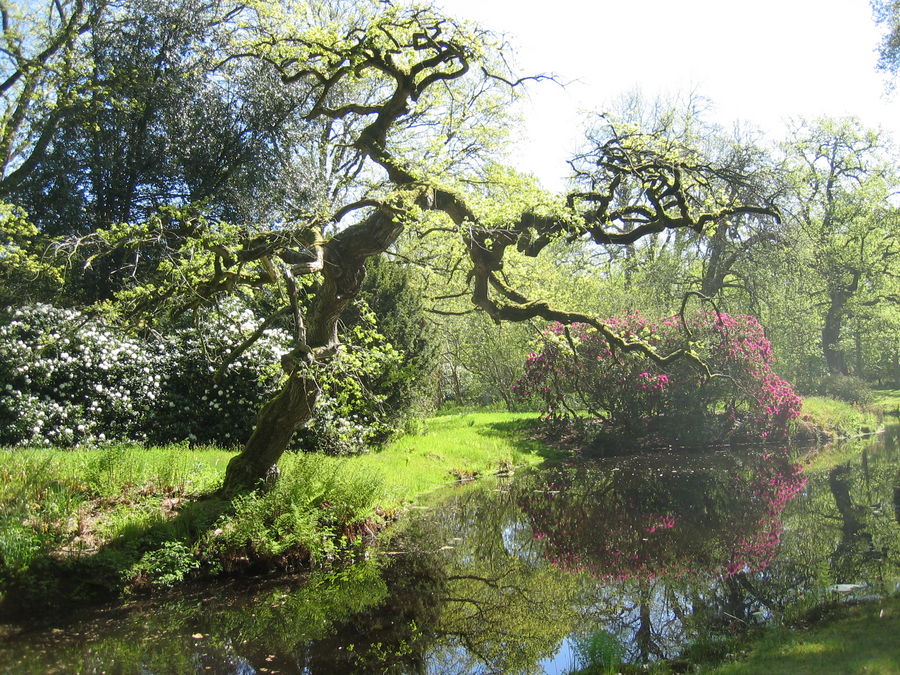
{"points": [[598, 653], [36, 501], [710, 648], [863, 640], [308, 514], [466, 444], [119, 468], [839, 417], [887, 399]]}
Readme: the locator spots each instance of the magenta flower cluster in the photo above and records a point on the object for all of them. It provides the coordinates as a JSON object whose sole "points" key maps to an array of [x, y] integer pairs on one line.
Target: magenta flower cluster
{"points": [[626, 390]]}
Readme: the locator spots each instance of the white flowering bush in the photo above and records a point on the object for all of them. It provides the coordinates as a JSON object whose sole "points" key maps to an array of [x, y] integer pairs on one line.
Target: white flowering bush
{"points": [[67, 379], [205, 403]]}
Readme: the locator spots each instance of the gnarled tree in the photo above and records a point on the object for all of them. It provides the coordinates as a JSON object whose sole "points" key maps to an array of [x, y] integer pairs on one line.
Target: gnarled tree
{"points": [[409, 96]]}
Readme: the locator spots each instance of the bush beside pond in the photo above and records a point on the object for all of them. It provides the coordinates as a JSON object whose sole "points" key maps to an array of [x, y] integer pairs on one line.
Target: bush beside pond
{"points": [[580, 379]]}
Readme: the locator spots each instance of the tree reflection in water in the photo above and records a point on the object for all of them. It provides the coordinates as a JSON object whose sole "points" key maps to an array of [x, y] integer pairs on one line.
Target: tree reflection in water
{"points": [[662, 517]]}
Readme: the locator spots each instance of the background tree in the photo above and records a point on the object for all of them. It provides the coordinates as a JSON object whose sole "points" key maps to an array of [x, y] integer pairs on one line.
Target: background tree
{"points": [[887, 14], [845, 227], [37, 66], [159, 116], [660, 269]]}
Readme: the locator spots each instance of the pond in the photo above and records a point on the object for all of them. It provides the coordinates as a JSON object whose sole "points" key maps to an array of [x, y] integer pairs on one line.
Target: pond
{"points": [[637, 557]]}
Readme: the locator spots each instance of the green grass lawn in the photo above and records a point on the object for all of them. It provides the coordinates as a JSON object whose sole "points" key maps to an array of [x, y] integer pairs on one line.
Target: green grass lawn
{"points": [[865, 640], [449, 447], [887, 399], [839, 417], [455, 446]]}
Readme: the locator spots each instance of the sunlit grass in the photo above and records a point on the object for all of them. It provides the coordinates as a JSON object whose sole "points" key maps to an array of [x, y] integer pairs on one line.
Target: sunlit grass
{"points": [[453, 446], [840, 417], [113, 470], [450, 446], [863, 641], [887, 399]]}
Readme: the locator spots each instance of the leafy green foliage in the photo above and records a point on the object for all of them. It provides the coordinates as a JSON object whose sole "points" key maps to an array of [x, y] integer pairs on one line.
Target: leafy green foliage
{"points": [[598, 653], [24, 269], [165, 566], [354, 414], [846, 388], [380, 378], [303, 513]]}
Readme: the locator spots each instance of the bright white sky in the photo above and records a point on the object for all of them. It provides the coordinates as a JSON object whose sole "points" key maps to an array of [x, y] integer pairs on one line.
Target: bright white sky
{"points": [[758, 61]]}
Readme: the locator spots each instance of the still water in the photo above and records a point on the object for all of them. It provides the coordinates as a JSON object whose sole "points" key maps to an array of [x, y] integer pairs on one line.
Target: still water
{"points": [[643, 556]]}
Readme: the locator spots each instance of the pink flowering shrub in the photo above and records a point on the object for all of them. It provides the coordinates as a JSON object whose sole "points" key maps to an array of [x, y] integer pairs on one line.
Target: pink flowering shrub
{"points": [[630, 392]]}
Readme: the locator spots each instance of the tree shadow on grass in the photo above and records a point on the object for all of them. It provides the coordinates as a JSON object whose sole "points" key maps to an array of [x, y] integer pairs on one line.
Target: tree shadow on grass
{"points": [[524, 436], [79, 577]]}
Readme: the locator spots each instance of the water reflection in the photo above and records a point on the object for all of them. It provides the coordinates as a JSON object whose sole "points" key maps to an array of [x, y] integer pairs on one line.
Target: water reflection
{"points": [[666, 516], [647, 554]]}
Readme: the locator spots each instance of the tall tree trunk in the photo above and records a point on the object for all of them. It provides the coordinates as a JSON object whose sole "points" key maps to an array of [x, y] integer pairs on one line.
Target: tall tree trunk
{"points": [[831, 335], [858, 347], [275, 424], [343, 273], [831, 329]]}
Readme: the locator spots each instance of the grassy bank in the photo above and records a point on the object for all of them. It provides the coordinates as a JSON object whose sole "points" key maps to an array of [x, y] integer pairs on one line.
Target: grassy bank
{"points": [[861, 639], [842, 419], [79, 523], [888, 400], [451, 447]]}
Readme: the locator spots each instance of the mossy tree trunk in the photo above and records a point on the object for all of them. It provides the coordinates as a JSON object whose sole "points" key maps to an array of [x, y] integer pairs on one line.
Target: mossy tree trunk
{"points": [[343, 272]]}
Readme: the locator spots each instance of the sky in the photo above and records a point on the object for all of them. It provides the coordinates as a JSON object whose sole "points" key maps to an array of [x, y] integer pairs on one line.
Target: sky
{"points": [[765, 62]]}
